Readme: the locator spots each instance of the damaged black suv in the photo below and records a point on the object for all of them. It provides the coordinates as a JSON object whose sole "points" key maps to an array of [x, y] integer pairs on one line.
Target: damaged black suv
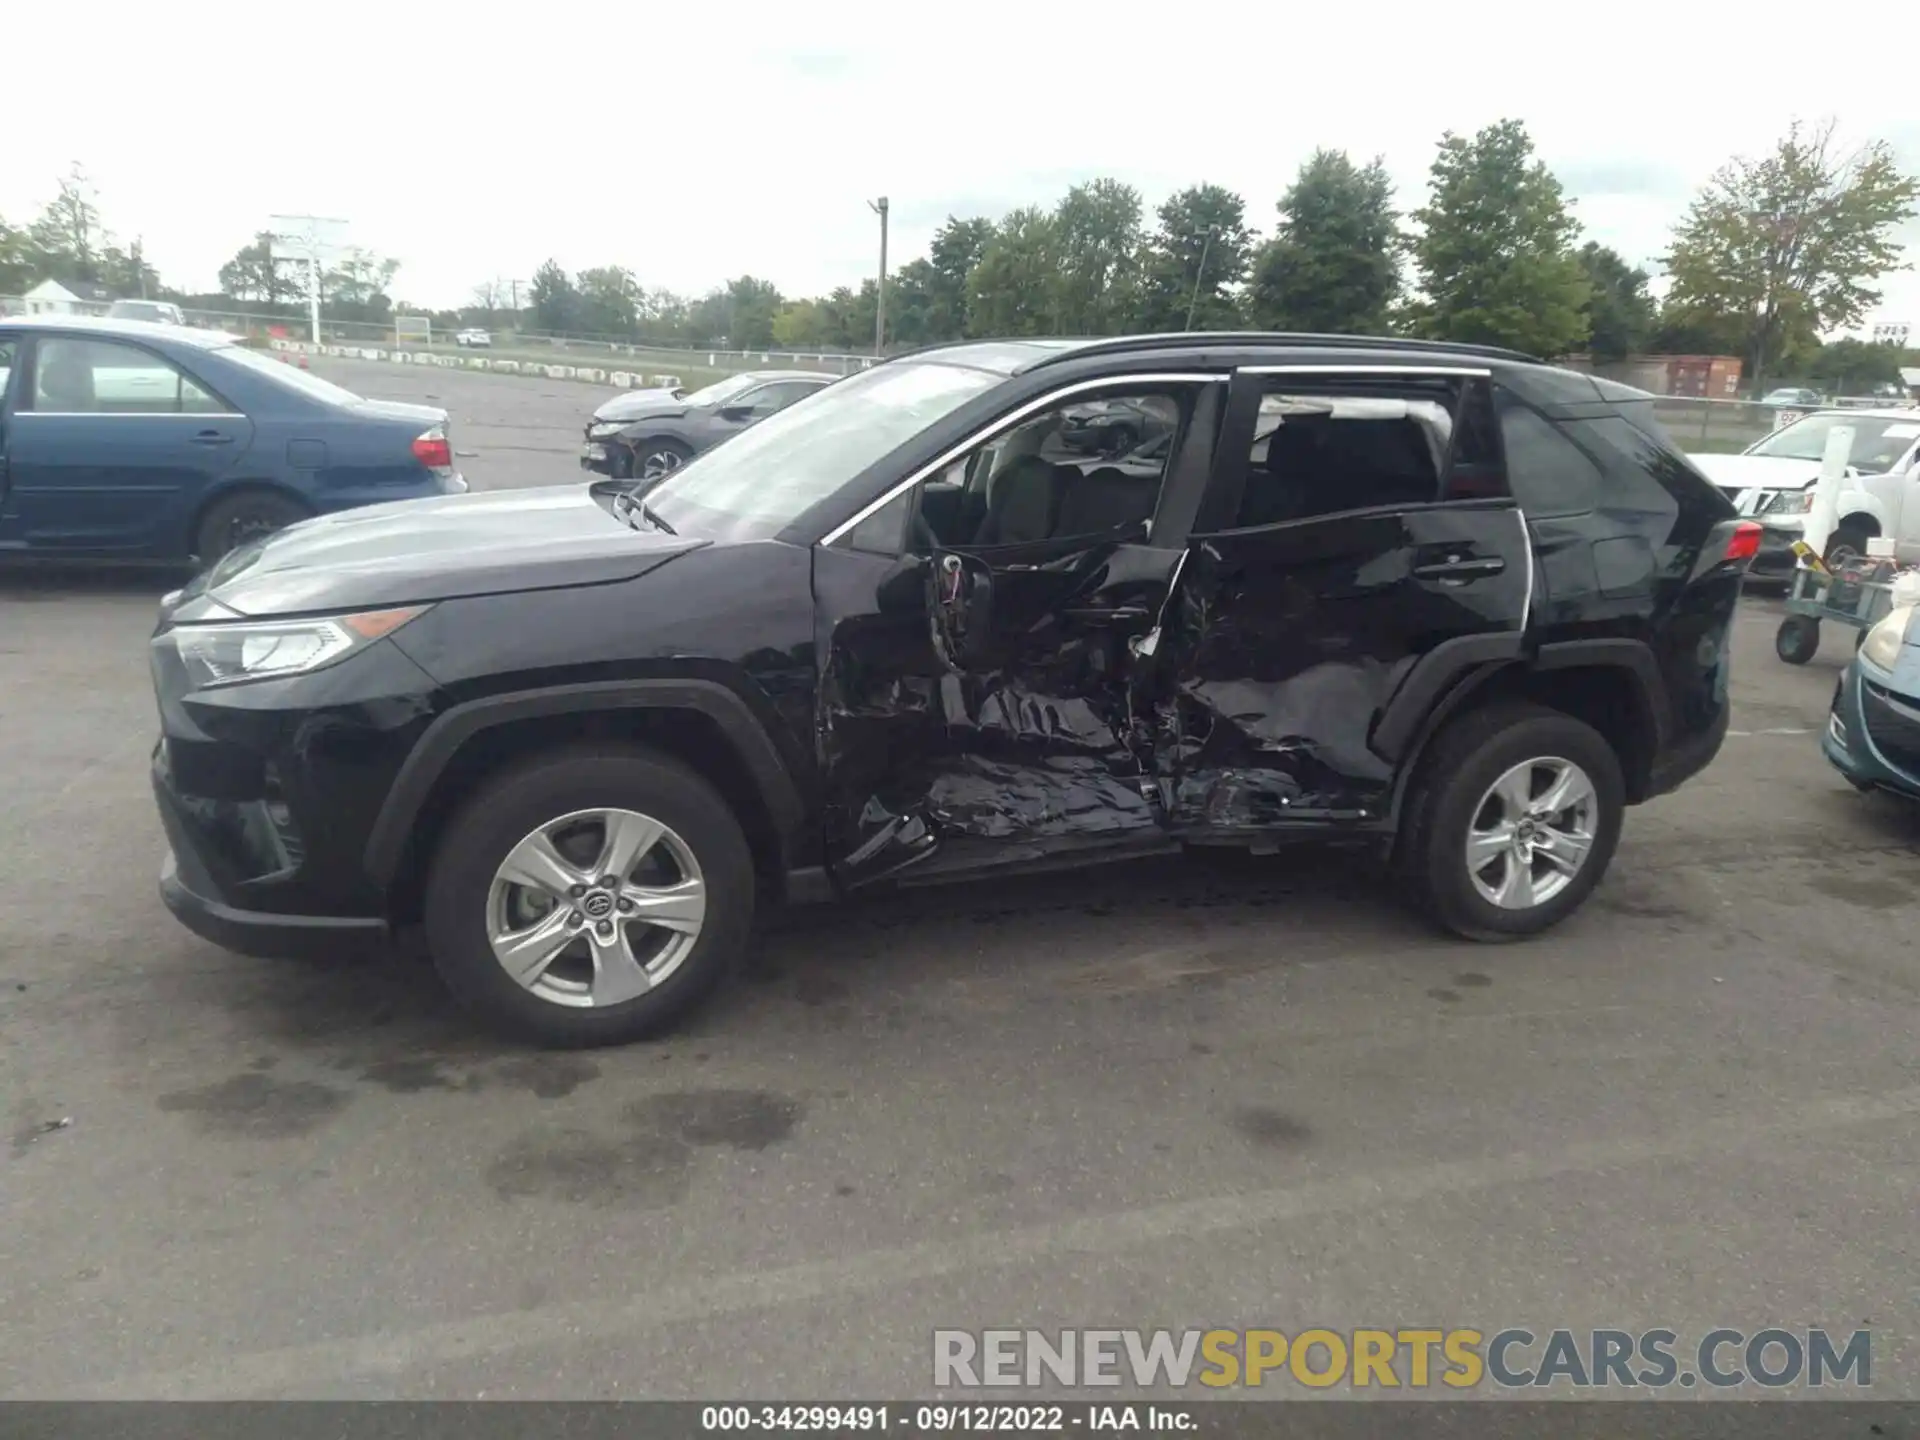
{"points": [[1442, 598]]}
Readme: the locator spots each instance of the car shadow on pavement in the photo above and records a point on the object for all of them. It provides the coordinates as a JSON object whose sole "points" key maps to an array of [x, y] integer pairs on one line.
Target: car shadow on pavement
{"points": [[33, 581], [1141, 928]]}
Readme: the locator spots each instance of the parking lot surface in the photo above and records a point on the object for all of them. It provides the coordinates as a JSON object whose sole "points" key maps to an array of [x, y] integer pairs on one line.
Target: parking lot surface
{"points": [[1224, 1093]]}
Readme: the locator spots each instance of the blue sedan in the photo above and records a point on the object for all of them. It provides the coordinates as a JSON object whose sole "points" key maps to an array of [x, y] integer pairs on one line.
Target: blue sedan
{"points": [[123, 440], [1873, 732]]}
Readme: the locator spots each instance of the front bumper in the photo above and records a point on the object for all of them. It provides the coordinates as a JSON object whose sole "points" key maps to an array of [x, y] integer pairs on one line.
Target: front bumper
{"points": [[1873, 732], [603, 456], [268, 792], [250, 932]]}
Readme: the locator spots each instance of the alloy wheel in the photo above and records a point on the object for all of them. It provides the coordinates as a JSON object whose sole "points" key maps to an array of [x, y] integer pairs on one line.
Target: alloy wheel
{"points": [[596, 907], [1532, 832], [657, 464]]}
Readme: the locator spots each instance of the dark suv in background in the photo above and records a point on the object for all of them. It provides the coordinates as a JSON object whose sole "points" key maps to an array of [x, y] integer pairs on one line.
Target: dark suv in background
{"points": [[648, 434], [1443, 600]]}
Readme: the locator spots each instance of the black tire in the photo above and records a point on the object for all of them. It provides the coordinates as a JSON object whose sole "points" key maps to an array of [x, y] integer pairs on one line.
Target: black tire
{"points": [[242, 516], [502, 812], [658, 446], [1462, 763], [1797, 640], [1846, 542]]}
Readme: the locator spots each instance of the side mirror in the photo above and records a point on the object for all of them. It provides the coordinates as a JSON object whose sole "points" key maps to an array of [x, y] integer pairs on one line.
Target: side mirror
{"points": [[736, 412]]}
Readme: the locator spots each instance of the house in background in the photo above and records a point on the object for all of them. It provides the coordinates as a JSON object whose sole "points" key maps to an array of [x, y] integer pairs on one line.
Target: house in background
{"points": [[73, 297]]}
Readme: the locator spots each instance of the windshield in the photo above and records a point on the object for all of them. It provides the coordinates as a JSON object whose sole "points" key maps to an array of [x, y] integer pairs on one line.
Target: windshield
{"points": [[766, 477], [140, 310], [721, 391], [1878, 444], [304, 381]]}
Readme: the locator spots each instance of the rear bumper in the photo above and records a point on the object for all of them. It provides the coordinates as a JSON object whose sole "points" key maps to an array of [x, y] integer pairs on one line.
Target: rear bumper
{"points": [[248, 932]]}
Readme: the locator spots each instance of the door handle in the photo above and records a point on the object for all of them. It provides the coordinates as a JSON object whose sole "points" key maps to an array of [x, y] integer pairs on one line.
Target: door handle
{"points": [[1100, 614], [1460, 571], [212, 437]]}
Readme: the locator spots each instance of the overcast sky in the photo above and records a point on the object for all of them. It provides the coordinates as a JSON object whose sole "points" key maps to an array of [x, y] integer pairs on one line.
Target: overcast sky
{"points": [[475, 141]]}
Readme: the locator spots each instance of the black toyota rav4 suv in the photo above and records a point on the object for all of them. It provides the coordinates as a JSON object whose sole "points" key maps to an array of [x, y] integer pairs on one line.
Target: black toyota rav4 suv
{"points": [[1445, 599]]}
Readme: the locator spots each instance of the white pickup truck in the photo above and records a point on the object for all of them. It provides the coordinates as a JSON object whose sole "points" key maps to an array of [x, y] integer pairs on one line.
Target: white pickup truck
{"points": [[1772, 482]]}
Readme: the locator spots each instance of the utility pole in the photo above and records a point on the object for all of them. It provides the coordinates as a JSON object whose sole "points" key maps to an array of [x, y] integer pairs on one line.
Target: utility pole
{"points": [[879, 207], [1205, 246]]}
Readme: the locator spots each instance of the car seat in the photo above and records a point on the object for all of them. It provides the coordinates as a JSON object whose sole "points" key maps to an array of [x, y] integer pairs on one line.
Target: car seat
{"points": [[1023, 501], [65, 380]]}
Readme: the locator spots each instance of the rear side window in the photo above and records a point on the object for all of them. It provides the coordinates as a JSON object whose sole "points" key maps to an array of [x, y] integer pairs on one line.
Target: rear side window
{"points": [[1550, 475], [95, 377]]}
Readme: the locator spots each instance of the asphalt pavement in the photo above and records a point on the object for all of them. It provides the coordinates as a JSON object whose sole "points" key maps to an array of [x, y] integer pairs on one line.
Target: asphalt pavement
{"points": [[1232, 1093]]}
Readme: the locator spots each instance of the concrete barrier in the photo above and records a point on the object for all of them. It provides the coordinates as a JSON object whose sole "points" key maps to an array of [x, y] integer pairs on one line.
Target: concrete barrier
{"points": [[590, 375], [662, 382], [507, 367], [621, 379]]}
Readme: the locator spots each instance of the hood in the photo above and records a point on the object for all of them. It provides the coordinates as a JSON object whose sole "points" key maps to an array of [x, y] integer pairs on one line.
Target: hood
{"points": [[426, 416], [1757, 472], [641, 404], [436, 549], [1745, 479]]}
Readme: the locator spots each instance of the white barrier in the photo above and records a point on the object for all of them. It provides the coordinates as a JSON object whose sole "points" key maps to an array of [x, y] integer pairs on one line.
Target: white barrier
{"points": [[620, 378]]}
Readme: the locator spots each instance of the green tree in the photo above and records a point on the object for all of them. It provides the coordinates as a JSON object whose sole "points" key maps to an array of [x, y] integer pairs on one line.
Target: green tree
{"points": [[555, 301], [1621, 313], [256, 275], [1495, 250], [957, 247], [1096, 239], [17, 262], [1791, 243], [67, 238], [1013, 288], [1197, 254], [1333, 265], [1854, 367], [751, 306], [609, 301], [910, 304], [357, 286], [801, 325]]}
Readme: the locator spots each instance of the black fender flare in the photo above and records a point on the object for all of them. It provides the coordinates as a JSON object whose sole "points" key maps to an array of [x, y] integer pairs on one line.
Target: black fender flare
{"points": [[442, 740], [1447, 677]]}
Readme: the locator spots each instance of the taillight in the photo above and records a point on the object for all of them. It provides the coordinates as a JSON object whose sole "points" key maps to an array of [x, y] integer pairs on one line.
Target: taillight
{"points": [[1744, 543], [434, 450]]}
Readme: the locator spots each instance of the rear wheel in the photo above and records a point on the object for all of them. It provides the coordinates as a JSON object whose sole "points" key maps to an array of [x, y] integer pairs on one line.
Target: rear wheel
{"points": [[591, 898], [1513, 822], [237, 519]]}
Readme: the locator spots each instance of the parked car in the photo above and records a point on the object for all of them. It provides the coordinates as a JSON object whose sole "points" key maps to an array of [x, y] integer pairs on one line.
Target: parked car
{"points": [[1772, 481], [1113, 427], [123, 440], [648, 434], [474, 339], [157, 312], [1441, 600], [1873, 732], [1794, 398]]}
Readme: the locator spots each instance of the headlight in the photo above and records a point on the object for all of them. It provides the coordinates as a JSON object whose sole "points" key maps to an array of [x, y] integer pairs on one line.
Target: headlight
{"points": [[1883, 642], [602, 429], [1790, 502], [257, 650]]}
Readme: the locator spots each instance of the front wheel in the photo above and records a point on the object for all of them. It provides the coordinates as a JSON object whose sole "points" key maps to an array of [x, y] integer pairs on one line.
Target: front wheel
{"points": [[1514, 821], [590, 898], [656, 459]]}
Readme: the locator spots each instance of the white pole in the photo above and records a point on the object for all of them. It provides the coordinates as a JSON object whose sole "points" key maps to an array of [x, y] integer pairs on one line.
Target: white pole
{"points": [[313, 286], [1826, 489]]}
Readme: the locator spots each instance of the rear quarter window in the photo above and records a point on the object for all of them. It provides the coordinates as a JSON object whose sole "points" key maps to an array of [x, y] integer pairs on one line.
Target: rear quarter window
{"points": [[1547, 472]]}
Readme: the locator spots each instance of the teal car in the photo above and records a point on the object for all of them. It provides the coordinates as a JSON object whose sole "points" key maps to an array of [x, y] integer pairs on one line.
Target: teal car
{"points": [[1873, 732]]}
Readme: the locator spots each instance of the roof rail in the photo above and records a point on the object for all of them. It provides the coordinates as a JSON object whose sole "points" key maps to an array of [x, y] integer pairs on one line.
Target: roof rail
{"points": [[1201, 339]]}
